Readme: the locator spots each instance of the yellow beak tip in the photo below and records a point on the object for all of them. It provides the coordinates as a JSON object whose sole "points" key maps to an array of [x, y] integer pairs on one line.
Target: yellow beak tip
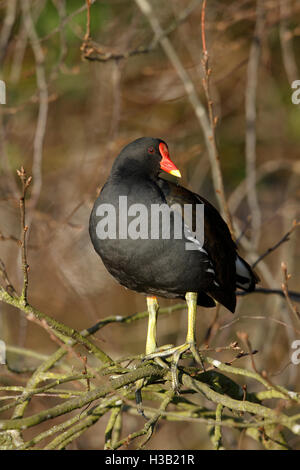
{"points": [[175, 173]]}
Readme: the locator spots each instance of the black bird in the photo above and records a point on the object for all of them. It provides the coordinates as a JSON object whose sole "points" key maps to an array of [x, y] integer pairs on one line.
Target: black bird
{"points": [[162, 264]]}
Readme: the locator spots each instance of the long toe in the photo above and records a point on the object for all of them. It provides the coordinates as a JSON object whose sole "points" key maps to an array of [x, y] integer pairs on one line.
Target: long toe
{"points": [[175, 354]]}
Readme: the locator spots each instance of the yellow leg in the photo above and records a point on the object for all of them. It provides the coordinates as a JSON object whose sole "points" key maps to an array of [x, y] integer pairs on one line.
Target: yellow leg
{"points": [[191, 300], [152, 305], [189, 345], [151, 346]]}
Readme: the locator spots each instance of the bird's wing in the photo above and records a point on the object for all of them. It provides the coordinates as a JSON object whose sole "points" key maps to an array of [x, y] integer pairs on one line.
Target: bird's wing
{"points": [[218, 243]]}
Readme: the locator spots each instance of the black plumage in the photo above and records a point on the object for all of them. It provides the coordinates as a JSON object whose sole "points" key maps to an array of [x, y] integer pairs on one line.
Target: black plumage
{"points": [[164, 267]]}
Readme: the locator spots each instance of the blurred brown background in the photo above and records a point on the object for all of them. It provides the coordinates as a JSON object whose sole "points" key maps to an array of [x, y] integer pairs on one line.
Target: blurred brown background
{"points": [[65, 121]]}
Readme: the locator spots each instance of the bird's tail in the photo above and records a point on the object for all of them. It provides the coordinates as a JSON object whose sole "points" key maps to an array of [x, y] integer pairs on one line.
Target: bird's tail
{"points": [[246, 278]]}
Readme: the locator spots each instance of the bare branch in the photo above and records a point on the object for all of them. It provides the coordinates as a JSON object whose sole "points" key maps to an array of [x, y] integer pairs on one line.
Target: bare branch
{"points": [[11, 8], [286, 41], [24, 228], [285, 238], [43, 102], [96, 52], [250, 104], [284, 286]]}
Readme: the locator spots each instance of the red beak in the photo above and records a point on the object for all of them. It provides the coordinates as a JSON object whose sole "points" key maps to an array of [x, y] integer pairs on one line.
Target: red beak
{"points": [[166, 163]]}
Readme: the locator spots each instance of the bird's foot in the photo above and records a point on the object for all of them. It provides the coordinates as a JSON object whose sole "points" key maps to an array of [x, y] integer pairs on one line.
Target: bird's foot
{"points": [[155, 355], [158, 353], [175, 354]]}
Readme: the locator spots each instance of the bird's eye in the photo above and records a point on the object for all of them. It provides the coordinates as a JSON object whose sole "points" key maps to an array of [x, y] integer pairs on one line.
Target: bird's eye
{"points": [[151, 150]]}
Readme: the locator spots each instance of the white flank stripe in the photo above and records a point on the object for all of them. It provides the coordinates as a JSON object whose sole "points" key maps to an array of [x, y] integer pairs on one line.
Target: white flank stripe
{"points": [[209, 270]]}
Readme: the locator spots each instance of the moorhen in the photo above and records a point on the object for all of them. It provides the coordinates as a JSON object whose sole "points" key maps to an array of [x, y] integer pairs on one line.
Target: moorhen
{"points": [[162, 265]]}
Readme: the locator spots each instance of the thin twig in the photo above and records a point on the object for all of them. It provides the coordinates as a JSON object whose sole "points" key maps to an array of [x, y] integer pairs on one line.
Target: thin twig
{"points": [[8, 285], [97, 52], [43, 102], [24, 228], [149, 426], [115, 413], [245, 337], [7, 25], [285, 238], [286, 38], [213, 122], [285, 290], [263, 170], [88, 21], [250, 111], [217, 437], [79, 402], [9, 238], [295, 296]]}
